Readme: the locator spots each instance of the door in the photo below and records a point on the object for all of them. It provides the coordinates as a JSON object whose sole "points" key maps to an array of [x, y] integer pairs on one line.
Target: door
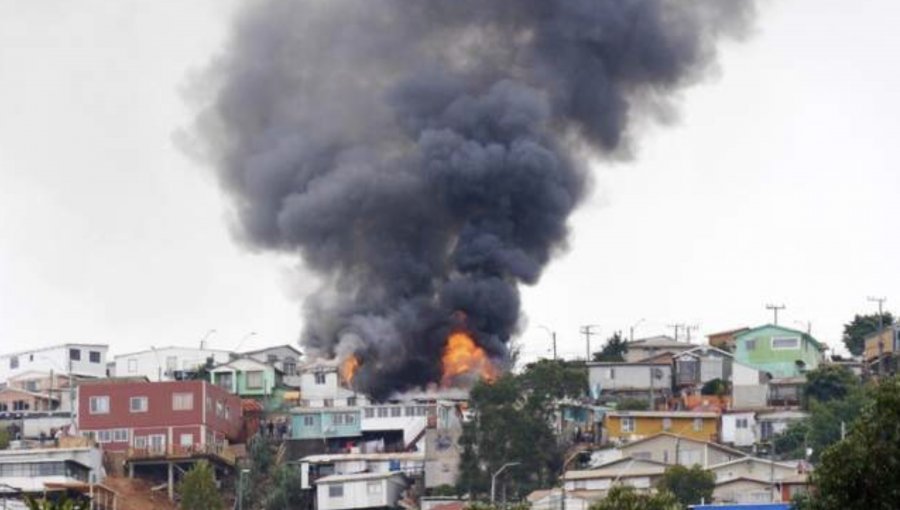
{"points": [[157, 443]]}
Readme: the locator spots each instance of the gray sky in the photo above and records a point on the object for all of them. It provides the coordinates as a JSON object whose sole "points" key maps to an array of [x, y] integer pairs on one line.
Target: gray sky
{"points": [[776, 184]]}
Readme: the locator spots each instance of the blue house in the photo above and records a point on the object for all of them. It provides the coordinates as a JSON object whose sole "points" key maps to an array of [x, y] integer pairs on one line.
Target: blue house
{"points": [[325, 423]]}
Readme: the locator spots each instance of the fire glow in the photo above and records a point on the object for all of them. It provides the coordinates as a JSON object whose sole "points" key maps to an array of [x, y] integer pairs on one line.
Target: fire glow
{"points": [[348, 369], [463, 357]]}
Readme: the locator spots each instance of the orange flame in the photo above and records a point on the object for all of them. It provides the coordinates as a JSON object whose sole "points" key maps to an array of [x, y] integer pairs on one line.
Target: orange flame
{"points": [[463, 356], [348, 369]]}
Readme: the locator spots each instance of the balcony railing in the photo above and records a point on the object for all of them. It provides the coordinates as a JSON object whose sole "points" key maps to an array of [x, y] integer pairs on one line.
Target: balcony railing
{"points": [[219, 451]]}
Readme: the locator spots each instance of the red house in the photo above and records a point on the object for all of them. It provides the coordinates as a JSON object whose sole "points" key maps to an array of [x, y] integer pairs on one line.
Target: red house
{"points": [[170, 418]]}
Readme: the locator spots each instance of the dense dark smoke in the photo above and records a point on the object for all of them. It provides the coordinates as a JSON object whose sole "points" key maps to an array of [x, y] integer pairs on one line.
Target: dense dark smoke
{"points": [[423, 156]]}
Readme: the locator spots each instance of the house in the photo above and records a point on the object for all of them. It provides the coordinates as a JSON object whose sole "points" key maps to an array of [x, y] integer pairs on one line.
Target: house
{"points": [[624, 426], [552, 499], [19, 401], [743, 491], [641, 350], [53, 385], [360, 490], [636, 380], [158, 419], [725, 340], [772, 423], [786, 391], [168, 363], [285, 358], [87, 360], [697, 366], [30, 471], [324, 424], [881, 350], [674, 449], [592, 484], [779, 351], [247, 378], [739, 428], [753, 467], [321, 386], [792, 486]]}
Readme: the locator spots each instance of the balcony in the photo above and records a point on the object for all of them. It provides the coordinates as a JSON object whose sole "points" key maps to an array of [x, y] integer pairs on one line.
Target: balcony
{"points": [[216, 452]]}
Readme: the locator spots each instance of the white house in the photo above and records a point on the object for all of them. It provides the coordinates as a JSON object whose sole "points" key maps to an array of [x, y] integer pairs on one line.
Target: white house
{"points": [[285, 358], [739, 428], [27, 470], [640, 474], [552, 499], [640, 350], [776, 422], [166, 363], [360, 490], [630, 378], [321, 386], [88, 360]]}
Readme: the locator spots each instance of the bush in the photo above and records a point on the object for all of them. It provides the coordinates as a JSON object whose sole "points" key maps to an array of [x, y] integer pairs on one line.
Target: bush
{"points": [[198, 489]]}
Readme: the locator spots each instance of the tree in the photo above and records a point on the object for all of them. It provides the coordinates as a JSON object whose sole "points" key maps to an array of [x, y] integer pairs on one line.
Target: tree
{"points": [[261, 461], [716, 387], [690, 485], [4, 438], [614, 350], [198, 489], [632, 404], [547, 381], [823, 427], [61, 503], [857, 330], [626, 498], [863, 471], [287, 492], [829, 382], [512, 423]]}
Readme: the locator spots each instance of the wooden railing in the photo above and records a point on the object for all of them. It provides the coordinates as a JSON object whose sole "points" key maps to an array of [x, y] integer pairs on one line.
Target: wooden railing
{"points": [[183, 452]]}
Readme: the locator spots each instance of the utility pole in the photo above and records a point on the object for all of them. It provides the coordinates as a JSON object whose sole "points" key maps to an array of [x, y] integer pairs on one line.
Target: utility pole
{"points": [[631, 329], [775, 308], [552, 338], [688, 329], [880, 301], [588, 330], [677, 328]]}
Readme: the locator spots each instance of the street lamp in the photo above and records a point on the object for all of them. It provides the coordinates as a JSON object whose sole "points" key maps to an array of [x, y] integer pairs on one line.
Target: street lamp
{"points": [[552, 336], [240, 501], [494, 478], [631, 329], [244, 339]]}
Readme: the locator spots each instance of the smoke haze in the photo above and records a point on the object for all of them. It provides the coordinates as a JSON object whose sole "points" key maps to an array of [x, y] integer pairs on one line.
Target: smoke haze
{"points": [[423, 157]]}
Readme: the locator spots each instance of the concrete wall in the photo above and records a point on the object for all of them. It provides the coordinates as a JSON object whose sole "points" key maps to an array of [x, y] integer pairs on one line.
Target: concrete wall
{"points": [[158, 364], [622, 376], [739, 436], [357, 494], [56, 359]]}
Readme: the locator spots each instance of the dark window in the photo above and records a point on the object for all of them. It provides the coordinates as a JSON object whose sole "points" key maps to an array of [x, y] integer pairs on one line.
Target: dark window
{"points": [[75, 354], [94, 356], [271, 358], [14, 362]]}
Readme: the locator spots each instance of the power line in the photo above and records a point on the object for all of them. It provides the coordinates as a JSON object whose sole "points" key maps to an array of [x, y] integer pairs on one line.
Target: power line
{"points": [[588, 330]]}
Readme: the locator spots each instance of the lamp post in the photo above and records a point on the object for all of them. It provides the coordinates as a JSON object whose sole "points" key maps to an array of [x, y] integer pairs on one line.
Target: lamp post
{"points": [[552, 337], [631, 329], [244, 339], [240, 499], [494, 479]]}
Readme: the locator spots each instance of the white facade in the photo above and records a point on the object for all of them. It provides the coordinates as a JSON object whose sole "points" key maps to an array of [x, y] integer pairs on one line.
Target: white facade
{"points": [[321, 386], [162, 364], [605, 377], [739, 429], [364, 490], [87, 360], [552, 500], [283, 357], [29, 469]]}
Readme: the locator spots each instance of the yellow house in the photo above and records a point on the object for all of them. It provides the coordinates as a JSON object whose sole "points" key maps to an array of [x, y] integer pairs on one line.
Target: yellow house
{"points": [[884, 342], [624, 426]]}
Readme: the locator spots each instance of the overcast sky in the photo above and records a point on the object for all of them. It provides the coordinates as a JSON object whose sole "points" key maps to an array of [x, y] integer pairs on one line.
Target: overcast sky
{"points": [[778, 183]]}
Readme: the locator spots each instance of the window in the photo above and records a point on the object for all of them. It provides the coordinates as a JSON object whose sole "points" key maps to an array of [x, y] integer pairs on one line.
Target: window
{"points": [[667, 423], [182, 401], [373, 487], [227, 413], [14, 362], [20, 405], [120, 435], [31, 386], [580, 484], [627, 424], [99, 405], [320, 379], [382, 412], [698, 424], [611, 373], [370, 412], [410, 411], [220, 409], [140, 442], [132, 366], [255, 380], [171, 363], [75, 354], [351, 401], [642, 455], [4, 406], [271, 359], [751, 345], [157, 443], [290, 366], [328, 402], [104, 436], [741, 423], [225, 380], [336, 490], [186, 440], [137, 404], [94, 356], [309, 420], [337, 419], [396, 411], [790, 342]]}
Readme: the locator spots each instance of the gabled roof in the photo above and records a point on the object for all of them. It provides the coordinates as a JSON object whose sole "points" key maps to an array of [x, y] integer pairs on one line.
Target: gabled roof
{"points": [[703, 349], [231, 363], [169, 347], [751, 459], [273, 347], [658, 341], [717, 446], [799, 333], [619, 468], [742, 479], [26, 392], [728, 332]]}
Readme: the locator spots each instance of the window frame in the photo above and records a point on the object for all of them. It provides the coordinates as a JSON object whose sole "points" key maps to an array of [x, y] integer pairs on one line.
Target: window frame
{"points": [[74, 354], [631, 424], [255, 374], [795, 343], [96, 409], [141, 409], [180, 397], [335, 490], [94, 354], [319, 377]]}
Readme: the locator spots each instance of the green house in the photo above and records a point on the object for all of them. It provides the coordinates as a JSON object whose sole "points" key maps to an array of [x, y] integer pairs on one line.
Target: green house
{"points": [[325, 423], [247, 378], [780, 351]]}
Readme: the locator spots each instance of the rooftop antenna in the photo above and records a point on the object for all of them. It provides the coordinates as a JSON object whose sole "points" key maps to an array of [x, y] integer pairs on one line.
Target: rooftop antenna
{"points": [[676, 328]]}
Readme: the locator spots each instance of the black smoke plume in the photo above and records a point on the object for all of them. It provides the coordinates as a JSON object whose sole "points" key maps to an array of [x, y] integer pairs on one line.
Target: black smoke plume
{"points": [[423, 156]]}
